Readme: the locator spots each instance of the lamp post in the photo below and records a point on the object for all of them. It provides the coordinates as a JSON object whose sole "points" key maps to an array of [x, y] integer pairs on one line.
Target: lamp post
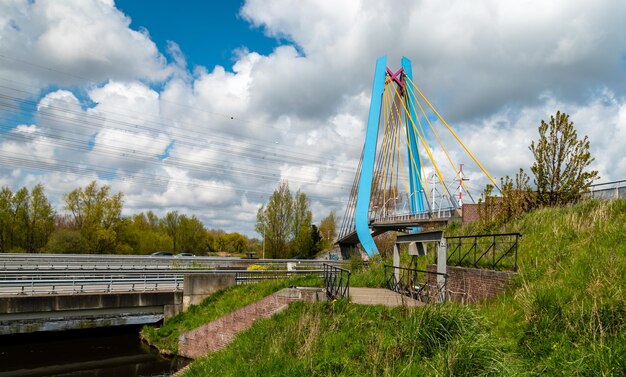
{"points": [[394, 205], [263, 240]]}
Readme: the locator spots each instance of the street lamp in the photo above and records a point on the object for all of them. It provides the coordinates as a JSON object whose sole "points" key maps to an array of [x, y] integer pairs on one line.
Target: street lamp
{"points": [[263, 240], [394, 204]]}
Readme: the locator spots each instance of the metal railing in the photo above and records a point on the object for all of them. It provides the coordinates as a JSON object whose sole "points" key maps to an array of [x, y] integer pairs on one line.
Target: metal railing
{"points": [[336, 282], [80, 284], [255, 276], [420, 285], [81, 281], [608, 190], [484, 250], [427, 215], [20, 261]]}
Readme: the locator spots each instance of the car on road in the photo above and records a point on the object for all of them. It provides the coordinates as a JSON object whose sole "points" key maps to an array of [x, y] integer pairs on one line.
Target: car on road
{"points": [[184, 255], [161, 254]]}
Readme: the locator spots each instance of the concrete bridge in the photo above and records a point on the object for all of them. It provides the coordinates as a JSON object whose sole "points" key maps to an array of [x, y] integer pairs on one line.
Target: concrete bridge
{"points": [[24, 313], [58, 292]]}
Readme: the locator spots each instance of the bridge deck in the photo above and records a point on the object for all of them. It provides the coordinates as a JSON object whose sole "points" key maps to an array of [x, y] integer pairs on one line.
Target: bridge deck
{"points": [[403, 223]]}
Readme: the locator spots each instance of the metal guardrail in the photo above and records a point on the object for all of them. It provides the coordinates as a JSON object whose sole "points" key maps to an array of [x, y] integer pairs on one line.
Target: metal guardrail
{"points": [[54, 282], [70, 285], [608, 190], [417, 284], [17, 261], [336, 282], [492, 250], [255, 276]]}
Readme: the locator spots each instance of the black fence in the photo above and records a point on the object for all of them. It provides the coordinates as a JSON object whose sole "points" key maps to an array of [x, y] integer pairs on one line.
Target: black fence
{"points": [[495, 251], [417, 284], [336, 282]]}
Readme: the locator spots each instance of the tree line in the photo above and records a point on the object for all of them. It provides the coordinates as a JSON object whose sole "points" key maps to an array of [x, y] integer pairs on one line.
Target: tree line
{"points": [[94, 224], [285, 223]]}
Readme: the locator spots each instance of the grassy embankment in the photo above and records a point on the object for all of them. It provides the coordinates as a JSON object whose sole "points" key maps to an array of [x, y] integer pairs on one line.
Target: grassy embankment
{"points": [[565, 315], [165, 338]]}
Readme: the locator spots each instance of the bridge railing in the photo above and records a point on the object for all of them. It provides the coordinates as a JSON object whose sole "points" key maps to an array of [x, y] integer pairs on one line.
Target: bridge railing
{"points": [[608, 190], [255, 276], [75, 284], [495, 251], [52, 282], [19, 261], [426, 215], [336, 282], [417, 284]]}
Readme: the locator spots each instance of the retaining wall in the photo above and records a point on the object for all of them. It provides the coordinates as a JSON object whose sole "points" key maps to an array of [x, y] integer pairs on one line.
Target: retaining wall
{"points": [[469, 285]]}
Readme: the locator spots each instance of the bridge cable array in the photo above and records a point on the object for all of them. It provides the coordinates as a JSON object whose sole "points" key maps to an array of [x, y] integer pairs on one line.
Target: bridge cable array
{"points": [[406, 116]]}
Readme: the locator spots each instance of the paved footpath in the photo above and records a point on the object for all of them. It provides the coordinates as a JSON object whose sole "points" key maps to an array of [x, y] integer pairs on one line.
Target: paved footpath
{"points": [[380, 296]]}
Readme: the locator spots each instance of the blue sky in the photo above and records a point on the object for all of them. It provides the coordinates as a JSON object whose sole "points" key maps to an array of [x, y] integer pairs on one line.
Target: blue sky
{"points": [[208, 32]]}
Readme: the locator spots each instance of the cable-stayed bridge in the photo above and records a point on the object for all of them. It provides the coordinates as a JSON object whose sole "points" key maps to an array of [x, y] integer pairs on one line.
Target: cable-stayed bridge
{"points": [[400, 184]]}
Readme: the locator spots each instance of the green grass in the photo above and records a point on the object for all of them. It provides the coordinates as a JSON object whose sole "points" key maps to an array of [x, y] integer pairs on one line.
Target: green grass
{"points": [[565, 315], [339, 338], [214, 306]]}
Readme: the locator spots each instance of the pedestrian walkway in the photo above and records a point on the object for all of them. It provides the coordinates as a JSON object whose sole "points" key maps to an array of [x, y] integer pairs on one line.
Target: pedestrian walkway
{"points": [[380, 296]]}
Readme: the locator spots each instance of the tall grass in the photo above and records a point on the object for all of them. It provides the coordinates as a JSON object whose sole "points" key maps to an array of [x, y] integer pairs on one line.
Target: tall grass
{"points": [[339, 338], [565, 315]]}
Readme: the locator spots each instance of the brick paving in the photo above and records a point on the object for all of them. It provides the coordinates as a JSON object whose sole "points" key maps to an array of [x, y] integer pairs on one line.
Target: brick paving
{"points": [[380, 296], [217, 334]]}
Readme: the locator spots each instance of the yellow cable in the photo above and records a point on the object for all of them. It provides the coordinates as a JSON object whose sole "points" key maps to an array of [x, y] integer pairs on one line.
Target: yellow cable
{"points": [[454, 134], [454, 169], [398, 121], [411, 157], [426, 147]]}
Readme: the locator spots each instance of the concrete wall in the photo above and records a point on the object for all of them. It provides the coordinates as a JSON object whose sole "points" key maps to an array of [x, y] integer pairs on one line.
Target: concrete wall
{"points": [[469, 285], [25, 314], [197, 287]]}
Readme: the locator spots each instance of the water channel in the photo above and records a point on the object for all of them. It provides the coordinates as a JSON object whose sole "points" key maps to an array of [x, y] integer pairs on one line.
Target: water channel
{"points": [[105, 352]]}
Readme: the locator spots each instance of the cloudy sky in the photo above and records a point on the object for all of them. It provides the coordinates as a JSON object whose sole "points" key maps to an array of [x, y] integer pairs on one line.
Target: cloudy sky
{"points": [[205, 110]]}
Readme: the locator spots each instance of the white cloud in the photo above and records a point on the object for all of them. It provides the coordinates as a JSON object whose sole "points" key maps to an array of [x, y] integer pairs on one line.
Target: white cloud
{"points": [[216, 142], [73, 42]]}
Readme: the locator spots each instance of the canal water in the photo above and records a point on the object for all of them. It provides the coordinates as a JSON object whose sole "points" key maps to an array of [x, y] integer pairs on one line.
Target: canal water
{"points": [[104, 352]]}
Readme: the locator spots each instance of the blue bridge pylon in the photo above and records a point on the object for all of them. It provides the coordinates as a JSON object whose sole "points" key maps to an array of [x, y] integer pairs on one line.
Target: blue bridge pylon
{"points": [[393, 189]]}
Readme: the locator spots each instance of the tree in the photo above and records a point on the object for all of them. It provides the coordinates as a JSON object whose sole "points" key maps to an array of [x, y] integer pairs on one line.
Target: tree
{"points": [[67, 241], [19, 219], [40, 217], [236, 243], [561, 162], [170, 225], [517, 197], [328, 229], [302, 241], [316, 241], [191, 235], [96, 214], [274, 222], [148, 236], [6, 216]]}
